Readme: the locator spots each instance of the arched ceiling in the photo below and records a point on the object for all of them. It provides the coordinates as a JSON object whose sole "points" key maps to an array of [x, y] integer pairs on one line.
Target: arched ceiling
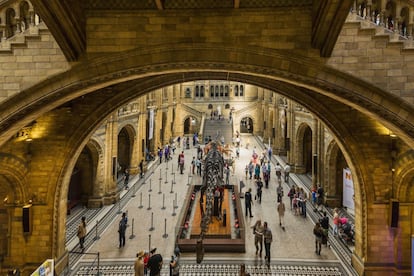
{"points": [[117, 79], [66, 20]]}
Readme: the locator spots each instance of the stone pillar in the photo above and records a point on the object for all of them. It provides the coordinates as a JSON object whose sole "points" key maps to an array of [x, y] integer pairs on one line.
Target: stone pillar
{"points": [[111, 160], [135, 154], [290, 117], [315, 156]]}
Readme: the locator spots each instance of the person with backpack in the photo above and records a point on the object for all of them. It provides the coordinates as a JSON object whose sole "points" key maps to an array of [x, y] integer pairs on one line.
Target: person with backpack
{"points": [[324, 221]]}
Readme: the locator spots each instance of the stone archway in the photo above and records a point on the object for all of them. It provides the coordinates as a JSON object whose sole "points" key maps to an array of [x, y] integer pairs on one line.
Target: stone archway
{"points": [[315, 87], [246, 125], [14, 194], [333, 175], [125, 148], [190, 125], [303, 163]]}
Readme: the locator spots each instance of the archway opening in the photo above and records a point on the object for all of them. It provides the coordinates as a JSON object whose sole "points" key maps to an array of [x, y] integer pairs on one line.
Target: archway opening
{"points": [[124, 151], [246, 125], [307, 150], [190, 125]]}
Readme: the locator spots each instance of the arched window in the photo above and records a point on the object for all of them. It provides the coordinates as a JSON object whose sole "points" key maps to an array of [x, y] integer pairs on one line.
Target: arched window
{"points": [[211, 91], [221, 91], [236, 90], [202, 91], [217, 91], [241, 90], [226, 91], [197, 91]]}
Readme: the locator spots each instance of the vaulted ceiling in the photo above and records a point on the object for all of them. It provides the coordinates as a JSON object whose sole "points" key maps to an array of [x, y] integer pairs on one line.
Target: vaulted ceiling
{"points": [[67, 19]]}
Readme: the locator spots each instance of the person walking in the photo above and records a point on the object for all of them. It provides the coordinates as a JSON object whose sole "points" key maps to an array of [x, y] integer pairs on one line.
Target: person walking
{"points": [[278, 170], [139, 264], [268, 238], [258, 236], [281, 211], [317, 231], [259, 187], [287, 172], [248, 201], [126, 178], [335, 221], [122, 229], [82, 233]]}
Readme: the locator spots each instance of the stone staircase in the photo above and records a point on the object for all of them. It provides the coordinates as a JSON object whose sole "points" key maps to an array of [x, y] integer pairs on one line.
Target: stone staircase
{"points": [[20, 40], [393, 39], [216, 129]]}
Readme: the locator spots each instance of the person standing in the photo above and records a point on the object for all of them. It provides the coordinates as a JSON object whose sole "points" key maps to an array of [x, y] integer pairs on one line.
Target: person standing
{"points": [[317, 231], [122, 229], [181, 161], [248, 201], [291, 195], [141, 167], [320, 197], [193, 165], [281, 211], [82, 233], [258, 236], [139, 264], [268, 238]]}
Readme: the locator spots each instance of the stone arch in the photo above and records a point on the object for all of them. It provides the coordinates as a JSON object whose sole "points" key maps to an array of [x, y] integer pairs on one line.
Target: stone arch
{"points": [[335, 162], [24, 9], [13, 194], [247, 124], [404, 177], [126, 137], [13, 168], [86, 183], [10, 22], [322, 90], [190, 124], [303, 162]]}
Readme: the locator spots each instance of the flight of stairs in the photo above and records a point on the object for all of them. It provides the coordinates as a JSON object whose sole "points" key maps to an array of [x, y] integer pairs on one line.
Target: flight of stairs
{"points": [[218, 128]]}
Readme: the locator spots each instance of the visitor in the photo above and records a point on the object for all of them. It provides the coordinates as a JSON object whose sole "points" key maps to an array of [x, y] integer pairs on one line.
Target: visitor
{"points": [[317, 231], [281, 211], [122, 229], [82, 233], [139, 264], [258, 236], [155, 263], [248, 201], [268, 238]]}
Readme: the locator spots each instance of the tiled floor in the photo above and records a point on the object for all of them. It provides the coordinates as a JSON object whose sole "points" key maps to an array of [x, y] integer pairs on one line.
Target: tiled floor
{"points": [[292, 251]]}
